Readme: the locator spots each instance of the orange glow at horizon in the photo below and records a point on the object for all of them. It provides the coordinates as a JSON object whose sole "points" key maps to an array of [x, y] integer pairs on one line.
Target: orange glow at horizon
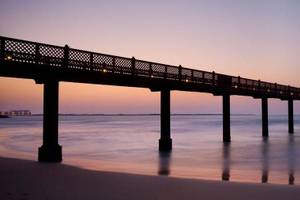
{"points": [[80, 98]]}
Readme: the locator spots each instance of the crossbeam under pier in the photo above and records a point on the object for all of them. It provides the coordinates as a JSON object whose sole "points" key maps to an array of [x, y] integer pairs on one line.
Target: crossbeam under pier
{"points": [[50, 151]]}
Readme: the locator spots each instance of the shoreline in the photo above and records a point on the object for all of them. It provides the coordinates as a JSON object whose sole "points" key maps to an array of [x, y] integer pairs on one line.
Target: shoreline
{"points": [[27, 179]]}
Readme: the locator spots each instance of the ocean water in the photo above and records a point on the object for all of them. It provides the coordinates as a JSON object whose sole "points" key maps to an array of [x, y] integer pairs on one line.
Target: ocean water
{"points": [[130, 144]]}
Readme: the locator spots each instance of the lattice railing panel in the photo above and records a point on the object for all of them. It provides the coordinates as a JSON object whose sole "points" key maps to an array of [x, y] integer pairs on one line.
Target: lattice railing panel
{"points": [[158, 68], [79, 56], [102, 59], [243, 81], [51, 55], [172, 73], [20, 51], [122, 62], [79, 60], [142, 65], [198, 74], [249, 83], [208, 76], [51, 51], [255, 83], [273, 86], [20, 47], [186, 72], [172, 70], [235, 81], [264, 85]]}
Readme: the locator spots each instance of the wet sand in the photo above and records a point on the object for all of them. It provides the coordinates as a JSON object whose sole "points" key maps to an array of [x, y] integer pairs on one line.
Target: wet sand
{"points": [[24, 179]]}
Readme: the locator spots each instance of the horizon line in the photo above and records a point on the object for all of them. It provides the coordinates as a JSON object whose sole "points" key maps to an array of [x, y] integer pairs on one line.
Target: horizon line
{"points": [[145, 114]]}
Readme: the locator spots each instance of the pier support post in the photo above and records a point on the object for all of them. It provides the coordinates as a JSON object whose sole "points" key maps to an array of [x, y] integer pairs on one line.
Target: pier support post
{"points": [[291, 115], [226, 118], [264, 109], [165, 141], [50, 151]]}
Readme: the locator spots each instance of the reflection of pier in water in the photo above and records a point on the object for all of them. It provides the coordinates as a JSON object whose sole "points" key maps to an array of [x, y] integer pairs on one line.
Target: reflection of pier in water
{"points": [[265, 160], [291, 159], [226, 162], [164, 163]]}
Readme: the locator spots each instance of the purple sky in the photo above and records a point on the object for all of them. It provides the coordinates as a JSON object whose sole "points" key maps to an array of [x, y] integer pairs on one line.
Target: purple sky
{"points": [[254, 39]]}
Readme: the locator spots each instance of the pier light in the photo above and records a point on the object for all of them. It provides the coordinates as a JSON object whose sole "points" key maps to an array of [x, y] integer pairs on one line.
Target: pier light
{"points": [[292, 93], [280, 92], [254, 89], [8, 57], [235, 86], [152, 76], [104, 70], [186, 80], [268, 90]]}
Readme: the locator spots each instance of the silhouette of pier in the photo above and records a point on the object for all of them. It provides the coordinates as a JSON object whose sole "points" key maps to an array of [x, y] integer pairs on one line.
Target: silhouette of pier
{"points": [[49, 64]]}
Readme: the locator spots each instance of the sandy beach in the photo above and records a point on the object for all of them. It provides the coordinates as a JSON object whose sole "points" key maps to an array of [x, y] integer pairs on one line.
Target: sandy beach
{"points": [[24, 179]]}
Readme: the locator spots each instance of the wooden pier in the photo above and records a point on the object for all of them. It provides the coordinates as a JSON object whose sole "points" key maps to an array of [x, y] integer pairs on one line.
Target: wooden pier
{"points": [[49, 65]]}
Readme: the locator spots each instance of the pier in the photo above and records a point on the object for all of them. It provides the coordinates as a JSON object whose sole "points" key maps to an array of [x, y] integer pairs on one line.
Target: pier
{"points": [[49, 64]]}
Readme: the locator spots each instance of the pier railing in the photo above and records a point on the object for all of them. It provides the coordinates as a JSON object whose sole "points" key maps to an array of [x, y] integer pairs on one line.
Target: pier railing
{"points": [[15, 50]]}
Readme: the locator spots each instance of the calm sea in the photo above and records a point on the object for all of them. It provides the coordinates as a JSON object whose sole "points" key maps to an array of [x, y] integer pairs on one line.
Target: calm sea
{"points": [[130, 144]]}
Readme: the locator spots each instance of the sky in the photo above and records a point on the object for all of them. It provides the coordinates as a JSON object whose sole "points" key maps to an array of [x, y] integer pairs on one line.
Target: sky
{"points": [[257, 39]]}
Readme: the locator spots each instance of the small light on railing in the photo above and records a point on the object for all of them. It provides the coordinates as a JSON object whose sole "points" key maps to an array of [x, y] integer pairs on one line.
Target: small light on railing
{"points": [[104, 70], [152, 76], [292, 93], [186, 80], [8, 58], [280, 92], [268, 90], [235, 86], [254, 89]]}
